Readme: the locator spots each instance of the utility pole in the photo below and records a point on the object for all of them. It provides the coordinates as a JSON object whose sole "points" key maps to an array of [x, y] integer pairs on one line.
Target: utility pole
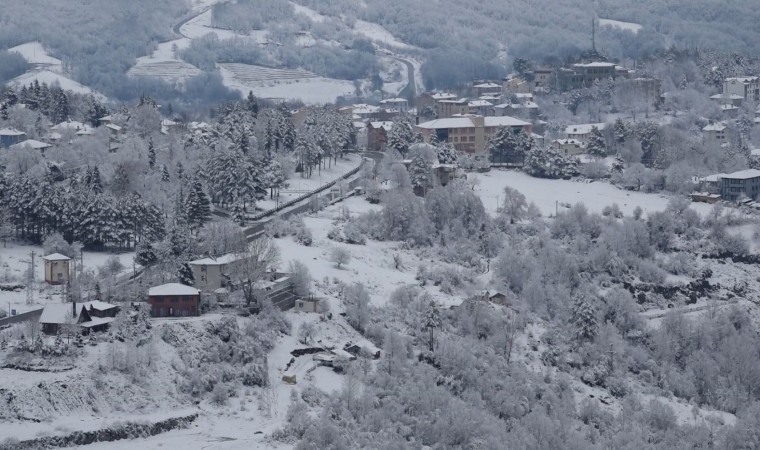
{"points": [[30, 280], [593, 34]]}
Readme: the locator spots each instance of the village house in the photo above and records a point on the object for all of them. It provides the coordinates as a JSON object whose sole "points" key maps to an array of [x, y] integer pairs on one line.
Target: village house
{"points": [[72, 127], [451, 107], [542, 79], [487, 88], [728, 99], [582, 132], [525, 109], [400, 105], [211, 274], [515, 84], [174, 300], [739, 185], [569, 146], [57, 268], [480, 107], [10, 136], [308, 305], [746, 87], [470, 133], [31, 144], [428, 102], [715, 134], [81, 317], [377, 135]]}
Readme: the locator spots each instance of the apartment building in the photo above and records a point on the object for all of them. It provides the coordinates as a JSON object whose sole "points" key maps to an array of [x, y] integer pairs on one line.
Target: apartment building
{"points": [[470, 133]]}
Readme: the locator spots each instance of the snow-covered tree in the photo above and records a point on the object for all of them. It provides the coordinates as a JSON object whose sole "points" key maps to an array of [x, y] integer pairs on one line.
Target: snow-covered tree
{"points": [[420, 174], [595, 145], [585, 322], [431, 321]]}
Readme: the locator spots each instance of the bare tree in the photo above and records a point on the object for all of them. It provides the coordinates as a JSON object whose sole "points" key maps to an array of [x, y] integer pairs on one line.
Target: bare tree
{"points": [[340, 256], [252, 265]]}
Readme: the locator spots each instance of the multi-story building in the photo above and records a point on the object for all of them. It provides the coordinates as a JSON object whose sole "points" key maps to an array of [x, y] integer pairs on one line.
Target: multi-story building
{"points": [[451, 107], [583, 75], [470, 133], [747, 87], [715, 134], [738, 185], [487, 88], [401, 105]]}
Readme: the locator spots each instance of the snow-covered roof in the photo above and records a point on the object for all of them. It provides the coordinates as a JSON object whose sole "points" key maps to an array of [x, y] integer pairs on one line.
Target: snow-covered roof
{"points": [[31, 143], [524, 105], [365, 109], [443, 96], [168, 123], [455, 101], [490, 98], [218, 261], [595, 64], [744, 80], [106, 118], [114, 127], [173, 289], [59, 313], [568, 142], [526, 95], [56, 257], [98, 305], [487, 86], [71, 125], [584, 128], [11, 132], [479, 103], [95, 321], [466, 122], [54, 136], [729, 96], [743, 174], [715, 127], [384, 125], [394, 100]]}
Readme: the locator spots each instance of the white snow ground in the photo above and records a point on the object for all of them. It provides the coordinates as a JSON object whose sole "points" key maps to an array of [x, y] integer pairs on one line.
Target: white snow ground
{"points": [[551, 195], [626, 26]]}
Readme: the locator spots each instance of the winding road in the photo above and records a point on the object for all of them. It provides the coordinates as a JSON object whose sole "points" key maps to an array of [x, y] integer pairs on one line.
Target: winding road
{"points": [[410, 90]]}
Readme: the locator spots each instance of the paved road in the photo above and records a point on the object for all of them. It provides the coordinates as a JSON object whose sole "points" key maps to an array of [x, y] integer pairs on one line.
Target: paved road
{"points": [[410, 91]]}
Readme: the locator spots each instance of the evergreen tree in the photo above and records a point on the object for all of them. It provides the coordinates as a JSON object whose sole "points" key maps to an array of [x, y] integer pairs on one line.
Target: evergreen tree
{"points": [[503, 147], [620, 131], [151, 154], [595, 145], [431, 321], [180, 170], [165, 174], [243, 144], [400, 137], [447, 154], [618, 165], [252, 104], [434, 141], [4, 111], [420, 174], [95, 182], [185, 275], [584, 319], [145, 255], [197, 207], [238, 214]]}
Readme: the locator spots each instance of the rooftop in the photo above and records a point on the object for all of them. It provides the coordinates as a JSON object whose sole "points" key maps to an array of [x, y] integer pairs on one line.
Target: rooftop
{"points": [[173, 289], [384, 125], [584, 128], [31, 143], [11, 132], [466, 122], [715, 127], [56, 257], [743, 174], [218, 261]]}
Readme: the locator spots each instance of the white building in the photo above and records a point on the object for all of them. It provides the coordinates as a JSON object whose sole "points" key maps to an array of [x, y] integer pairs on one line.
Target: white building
{"points": [[747, 87], [715, 134], [582, 132]]}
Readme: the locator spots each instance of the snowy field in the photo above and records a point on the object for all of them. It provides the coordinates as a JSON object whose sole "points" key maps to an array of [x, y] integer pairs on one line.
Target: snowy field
{"points": [[34, 53], [14, 261], [626, 26], [551, 195], [379, 34], [52, 78], [279, 84]]}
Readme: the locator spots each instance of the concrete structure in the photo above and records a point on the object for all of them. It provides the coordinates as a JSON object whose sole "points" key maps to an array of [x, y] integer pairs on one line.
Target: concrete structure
{"points": [[428, 101], [398, 104], [470, 133], [10, 136], [450, 108], [569, 146], [515, 85], [583, 75], [542, 79], [211, 274], [174, 300], [480, 107], [487, 88], [746, 87], [742, 184], [728, 99], [57, 268], [307, 305], [715, 134], [377, 135]]}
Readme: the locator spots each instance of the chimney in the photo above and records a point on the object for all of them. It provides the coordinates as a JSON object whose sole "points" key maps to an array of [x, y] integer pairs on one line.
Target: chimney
{"points": [[74, 309]]}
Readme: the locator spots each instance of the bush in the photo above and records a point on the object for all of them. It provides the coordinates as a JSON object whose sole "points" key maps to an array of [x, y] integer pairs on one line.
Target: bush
{"points": [[334, 234], [353, 234]]}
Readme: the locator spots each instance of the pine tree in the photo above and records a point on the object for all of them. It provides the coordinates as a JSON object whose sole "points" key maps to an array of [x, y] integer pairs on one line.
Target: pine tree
{"points": [[238, 214], [252, 104], [95, 182], [434, 141], [618, 165], [420, 174], [180, 170], [620, 131], [185, 275], [4, 111], [243, 144], [595, 145], [197, 207], [584, 319], [431, 321], [165, 174], [151, 154], [400, 137]]}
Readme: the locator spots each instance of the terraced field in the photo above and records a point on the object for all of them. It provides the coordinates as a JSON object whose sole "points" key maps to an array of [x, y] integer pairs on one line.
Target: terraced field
{"points": [[169, 70], [250, 74]]}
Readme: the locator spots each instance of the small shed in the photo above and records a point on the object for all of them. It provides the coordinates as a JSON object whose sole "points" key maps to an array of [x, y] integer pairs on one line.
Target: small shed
{"points": [[57, 268], [174, 300], [308, 305]]}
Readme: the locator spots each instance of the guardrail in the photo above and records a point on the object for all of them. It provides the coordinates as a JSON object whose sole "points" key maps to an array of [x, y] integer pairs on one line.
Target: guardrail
{"points": [[309, 194]]}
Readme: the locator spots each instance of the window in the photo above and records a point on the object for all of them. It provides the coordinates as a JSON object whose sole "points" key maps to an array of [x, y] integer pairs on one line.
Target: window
{"points": [[175, 300]]}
